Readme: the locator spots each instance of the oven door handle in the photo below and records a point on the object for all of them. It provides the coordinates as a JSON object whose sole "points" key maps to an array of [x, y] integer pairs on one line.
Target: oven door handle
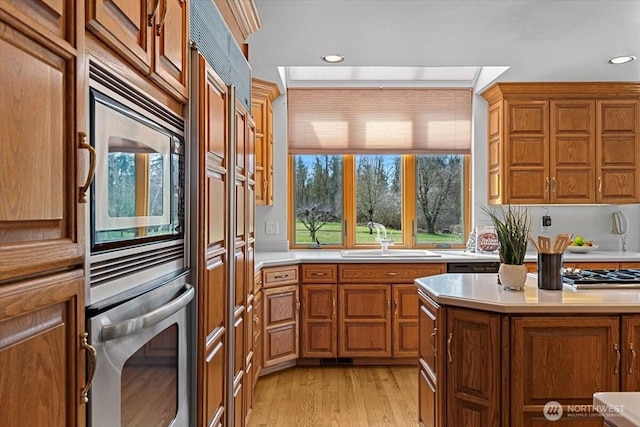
{"points": [[131, 326]]}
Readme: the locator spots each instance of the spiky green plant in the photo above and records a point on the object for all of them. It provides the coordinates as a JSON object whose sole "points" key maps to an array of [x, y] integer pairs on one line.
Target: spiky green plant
{"points": [[512, 225]]}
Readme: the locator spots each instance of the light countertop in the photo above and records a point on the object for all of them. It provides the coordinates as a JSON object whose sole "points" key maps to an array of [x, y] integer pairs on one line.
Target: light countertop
{"points": [[482, 292], [622, 409], [272, 259]]}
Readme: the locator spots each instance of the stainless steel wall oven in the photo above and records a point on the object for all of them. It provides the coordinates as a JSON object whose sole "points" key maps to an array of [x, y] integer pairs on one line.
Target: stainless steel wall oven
{"points": [[138, 291]]}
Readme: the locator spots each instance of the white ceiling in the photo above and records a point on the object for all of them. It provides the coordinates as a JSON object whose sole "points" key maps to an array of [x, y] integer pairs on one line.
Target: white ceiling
{"points": [[533, 40]]}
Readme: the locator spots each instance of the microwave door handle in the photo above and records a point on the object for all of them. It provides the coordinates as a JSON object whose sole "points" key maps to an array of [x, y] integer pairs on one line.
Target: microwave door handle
{"points": [[131, 326]]}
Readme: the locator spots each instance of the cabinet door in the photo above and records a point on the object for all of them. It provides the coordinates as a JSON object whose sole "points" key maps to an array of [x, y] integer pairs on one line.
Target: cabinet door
{"points": [[213, 328], [257, 336], [40, 354], [474, 368], [618, 151], [405, 321], [259, 107], [39, 227], [364, 320], [574, 375], [630, 346], [526, 176], [281, 306], [126, 27], [171, 34], [318, 323], [572, 160], [431, 393]]}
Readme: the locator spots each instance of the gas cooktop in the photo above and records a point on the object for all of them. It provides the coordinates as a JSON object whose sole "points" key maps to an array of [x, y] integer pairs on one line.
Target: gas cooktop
{"points": [[603, 279]]}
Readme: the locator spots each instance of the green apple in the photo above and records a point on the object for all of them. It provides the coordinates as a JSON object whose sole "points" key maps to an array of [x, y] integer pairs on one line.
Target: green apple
{"points": [[579, 240]]}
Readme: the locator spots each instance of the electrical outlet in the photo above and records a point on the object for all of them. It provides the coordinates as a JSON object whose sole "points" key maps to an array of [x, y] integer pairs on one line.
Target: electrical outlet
{"points": [[271, 227]]}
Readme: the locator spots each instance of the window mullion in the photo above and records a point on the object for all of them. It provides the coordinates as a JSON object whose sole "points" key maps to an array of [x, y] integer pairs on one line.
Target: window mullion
{"points": [[349, 199], [408, 199]]}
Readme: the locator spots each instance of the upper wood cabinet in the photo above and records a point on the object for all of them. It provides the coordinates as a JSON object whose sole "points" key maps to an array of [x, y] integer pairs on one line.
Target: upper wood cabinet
{"points": [[563, 143], [152, 35], [263, 94], [40, 157]]}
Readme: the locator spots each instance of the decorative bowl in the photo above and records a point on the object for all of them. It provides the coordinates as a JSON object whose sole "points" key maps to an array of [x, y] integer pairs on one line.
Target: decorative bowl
{"points": [[581, 249]]}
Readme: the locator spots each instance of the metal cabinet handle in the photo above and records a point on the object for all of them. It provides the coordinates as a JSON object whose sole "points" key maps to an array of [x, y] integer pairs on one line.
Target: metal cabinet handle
{"points": [[334, 306], [395, 304], [280, 276], [264, 189], [633, 358], [617, 350], [319, 274], [433, 342], [164, 17], [152, 15], [297, 305], [256, 319], [449, 347], [258, 282], [599, 184], [392, 273], [82, 144], [553, 187], [546, 184], [93, 361], [388, 305]]}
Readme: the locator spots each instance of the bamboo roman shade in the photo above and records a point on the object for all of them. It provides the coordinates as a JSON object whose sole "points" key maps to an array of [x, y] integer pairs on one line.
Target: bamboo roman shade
{"points": [[398, 121]]}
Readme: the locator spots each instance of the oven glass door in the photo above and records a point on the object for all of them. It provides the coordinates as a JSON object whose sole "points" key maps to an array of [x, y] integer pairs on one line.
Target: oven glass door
{"points": [[141, 376], [137, 181]]}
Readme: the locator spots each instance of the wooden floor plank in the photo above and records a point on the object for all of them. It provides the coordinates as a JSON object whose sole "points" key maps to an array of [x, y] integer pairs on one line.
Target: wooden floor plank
{"points": [[337, 396]]}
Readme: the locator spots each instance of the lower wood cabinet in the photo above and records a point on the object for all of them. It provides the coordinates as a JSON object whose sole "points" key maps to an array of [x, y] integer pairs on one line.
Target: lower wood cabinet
{"points": [[364, 317], [319, 321], [501, 370], [281, 306], [41, 356]]}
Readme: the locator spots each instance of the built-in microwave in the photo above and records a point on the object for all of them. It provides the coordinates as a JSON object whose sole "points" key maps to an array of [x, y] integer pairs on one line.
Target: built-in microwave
{"points": [[138, 191]]}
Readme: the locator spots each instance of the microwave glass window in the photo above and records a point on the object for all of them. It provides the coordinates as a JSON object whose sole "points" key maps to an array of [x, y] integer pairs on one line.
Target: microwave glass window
{"points": [[137, 190]]}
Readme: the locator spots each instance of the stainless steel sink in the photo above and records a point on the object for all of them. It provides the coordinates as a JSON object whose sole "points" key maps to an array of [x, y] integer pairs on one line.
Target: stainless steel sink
{"points": [[391, 253]]}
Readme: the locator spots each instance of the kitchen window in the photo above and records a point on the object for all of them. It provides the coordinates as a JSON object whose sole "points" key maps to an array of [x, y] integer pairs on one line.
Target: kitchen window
{"points": [[421, 200], [368, 164]]}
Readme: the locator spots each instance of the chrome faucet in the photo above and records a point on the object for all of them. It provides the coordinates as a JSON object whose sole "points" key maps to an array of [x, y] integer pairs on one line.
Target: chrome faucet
{"points": [[384, 241]]}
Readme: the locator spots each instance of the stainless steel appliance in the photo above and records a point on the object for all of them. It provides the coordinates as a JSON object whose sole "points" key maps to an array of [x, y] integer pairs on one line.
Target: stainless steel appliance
{"points": [[142, 352], [602, 279], [137, 199]]}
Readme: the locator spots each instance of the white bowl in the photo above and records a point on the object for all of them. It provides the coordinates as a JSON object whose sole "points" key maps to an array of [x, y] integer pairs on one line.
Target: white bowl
{"points": [[581, 249]]}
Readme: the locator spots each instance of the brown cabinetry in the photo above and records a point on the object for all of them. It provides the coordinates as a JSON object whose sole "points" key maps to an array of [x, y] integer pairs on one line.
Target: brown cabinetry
{"points": [[563, 143], [549, 363], [263, 94], [319, 317], [629, 347], [41, 224], [150, 35]]}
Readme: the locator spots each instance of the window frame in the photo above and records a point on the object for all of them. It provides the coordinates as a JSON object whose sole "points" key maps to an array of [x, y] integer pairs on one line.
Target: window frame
{"points": [[408, 213]]}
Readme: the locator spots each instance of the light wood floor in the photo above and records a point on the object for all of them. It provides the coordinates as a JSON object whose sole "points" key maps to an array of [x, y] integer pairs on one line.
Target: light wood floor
{"points": [[337, 396]]}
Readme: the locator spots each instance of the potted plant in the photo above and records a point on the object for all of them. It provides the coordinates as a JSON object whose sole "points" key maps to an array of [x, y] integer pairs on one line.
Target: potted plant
{"points": [[512, 226]]}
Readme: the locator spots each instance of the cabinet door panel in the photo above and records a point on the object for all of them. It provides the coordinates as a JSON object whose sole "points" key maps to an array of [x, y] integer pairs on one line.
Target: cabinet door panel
{"points": [[365, 320], [552, 342], [170, 60], [123, 25], [405, 321], [37, 157], [280, 333], [630, 347], [319, 329], [473, 372], [40, 355], [50, 15]]}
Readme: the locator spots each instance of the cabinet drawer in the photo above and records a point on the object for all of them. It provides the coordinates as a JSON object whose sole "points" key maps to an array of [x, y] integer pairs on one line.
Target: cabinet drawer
{"points": [[277, 276], [319, 273], [386, 273]]}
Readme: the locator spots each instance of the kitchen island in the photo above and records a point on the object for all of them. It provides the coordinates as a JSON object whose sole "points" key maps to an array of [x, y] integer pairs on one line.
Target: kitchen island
{"points": [[492, 357]]}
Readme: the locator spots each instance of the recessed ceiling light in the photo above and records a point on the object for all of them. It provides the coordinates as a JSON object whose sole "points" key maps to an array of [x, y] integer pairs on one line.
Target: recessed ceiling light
{"points": [[621, 60], [333, 58]]}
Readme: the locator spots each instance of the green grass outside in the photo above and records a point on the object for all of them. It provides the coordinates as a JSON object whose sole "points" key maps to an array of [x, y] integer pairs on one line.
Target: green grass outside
{"points": [[330, 234]]}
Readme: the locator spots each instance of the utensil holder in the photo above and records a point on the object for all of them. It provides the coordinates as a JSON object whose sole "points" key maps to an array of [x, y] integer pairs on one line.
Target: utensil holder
{"points": [[550, 271]]}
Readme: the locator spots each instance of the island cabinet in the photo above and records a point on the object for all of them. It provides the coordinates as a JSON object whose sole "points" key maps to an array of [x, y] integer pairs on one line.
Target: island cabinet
{"points": [[563, 143], [281, 307], [564, 359]]}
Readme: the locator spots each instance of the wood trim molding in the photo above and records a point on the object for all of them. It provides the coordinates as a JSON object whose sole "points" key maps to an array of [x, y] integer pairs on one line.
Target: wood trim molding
{"points": [[562, 90], [264, 89], [241, 16]]}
